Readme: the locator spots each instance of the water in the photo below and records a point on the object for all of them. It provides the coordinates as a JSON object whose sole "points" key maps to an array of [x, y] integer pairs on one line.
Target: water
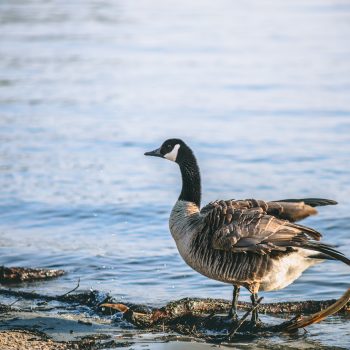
{"points": [[259, 89]]}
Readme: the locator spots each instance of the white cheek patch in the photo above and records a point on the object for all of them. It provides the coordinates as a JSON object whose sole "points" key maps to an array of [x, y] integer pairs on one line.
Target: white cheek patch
{"points": [[173, 154]]}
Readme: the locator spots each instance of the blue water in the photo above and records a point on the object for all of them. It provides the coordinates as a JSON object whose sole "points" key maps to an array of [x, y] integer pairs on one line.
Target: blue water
{"points": [[259, 90]]}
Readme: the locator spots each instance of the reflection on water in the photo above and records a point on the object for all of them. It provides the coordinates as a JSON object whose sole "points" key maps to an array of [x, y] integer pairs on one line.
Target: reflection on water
{"points": [[260, 90]]}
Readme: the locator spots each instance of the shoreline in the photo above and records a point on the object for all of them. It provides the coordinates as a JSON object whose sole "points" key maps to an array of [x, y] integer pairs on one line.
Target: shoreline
{"points": [[30, 320], [62, 330], [59, 327]]}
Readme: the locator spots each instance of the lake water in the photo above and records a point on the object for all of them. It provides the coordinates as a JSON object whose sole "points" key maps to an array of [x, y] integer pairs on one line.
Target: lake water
{"points": [[259, 89]]}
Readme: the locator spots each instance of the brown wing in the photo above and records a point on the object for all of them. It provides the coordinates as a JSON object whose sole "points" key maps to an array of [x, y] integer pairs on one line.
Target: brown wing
{"points": [[240, 227], [288, 209]]}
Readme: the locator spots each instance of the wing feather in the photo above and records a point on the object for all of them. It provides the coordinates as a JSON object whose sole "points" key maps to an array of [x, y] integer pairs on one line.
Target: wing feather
{"points": [[246, 226]]}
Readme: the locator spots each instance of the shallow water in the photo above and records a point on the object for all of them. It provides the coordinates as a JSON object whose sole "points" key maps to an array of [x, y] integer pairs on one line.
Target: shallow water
{"points": [[259, 89]]}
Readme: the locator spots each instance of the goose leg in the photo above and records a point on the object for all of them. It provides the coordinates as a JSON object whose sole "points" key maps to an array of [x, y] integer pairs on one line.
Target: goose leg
{"points": [[233, 310], [255, 315]]}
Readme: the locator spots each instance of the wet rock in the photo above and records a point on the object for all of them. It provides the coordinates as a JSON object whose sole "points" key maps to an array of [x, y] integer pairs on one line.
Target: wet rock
{"points": [[22, 274]]}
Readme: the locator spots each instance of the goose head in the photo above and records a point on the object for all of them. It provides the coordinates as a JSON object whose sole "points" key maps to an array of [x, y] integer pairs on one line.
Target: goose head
{"points": [[173, 149], [177, 151]]}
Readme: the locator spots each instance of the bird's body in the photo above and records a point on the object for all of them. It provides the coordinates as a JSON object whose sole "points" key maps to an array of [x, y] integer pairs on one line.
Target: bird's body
{"points": [[249, 243], [254, 271]]}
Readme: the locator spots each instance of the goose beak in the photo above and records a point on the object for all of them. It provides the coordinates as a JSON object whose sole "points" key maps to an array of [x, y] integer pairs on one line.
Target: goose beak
{"points": [[155, 153]]}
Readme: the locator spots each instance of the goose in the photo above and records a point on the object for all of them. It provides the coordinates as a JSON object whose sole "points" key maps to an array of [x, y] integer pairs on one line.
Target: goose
{"points": [[249, 243]]}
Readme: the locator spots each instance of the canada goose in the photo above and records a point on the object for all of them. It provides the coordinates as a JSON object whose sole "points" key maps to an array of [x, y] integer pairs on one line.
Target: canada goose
{"points": [[249, 243]]}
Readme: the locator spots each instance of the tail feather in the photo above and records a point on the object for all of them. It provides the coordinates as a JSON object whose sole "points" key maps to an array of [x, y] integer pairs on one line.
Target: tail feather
{"points": [[313, 202], [327, 250], [321, 256]]}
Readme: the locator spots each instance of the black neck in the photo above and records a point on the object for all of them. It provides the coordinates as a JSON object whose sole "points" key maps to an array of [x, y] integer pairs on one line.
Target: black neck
{"points": [[191, 180]]}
